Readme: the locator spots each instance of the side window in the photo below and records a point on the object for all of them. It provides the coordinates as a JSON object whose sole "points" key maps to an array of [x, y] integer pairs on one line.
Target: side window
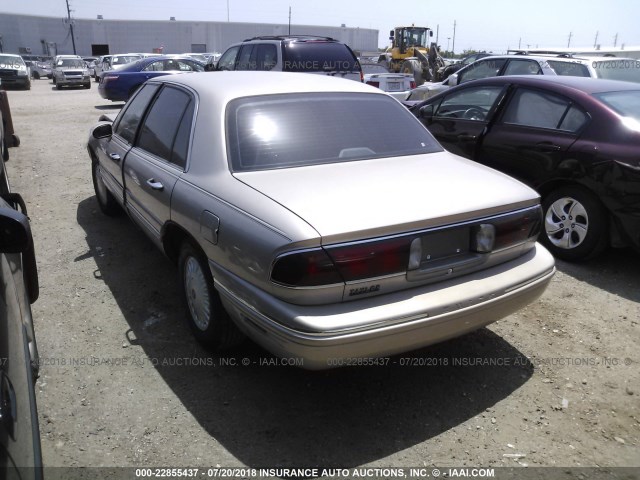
{"points": [[573, 120], [532, 108], [266, 56], [569, 68], [155, 66], [481, 69], [228, 59], [127, 124], [181, 143], [244, 59], [160, 128], [522, 67], [470, 103]]}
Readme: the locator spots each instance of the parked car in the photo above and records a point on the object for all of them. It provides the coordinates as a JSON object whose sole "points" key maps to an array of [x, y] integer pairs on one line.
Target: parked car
{"points": [[397, 85], [119, 85], [447, 70], [574, 139], [499, 65], [107, 63], [20, 454], [71, 72], [41, 69], [14, 72], [293, 53], [319, 236], [200, 57]]}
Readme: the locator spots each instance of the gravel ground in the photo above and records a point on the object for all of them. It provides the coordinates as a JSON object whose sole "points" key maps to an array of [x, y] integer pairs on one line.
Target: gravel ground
{"points": [[123, 384]]}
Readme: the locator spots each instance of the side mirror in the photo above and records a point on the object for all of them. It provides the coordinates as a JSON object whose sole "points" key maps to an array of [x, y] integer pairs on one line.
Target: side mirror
{"points": [[453, 79], [391, 34], [426, 113], [16, 238], [104, 130], [16, 232]]}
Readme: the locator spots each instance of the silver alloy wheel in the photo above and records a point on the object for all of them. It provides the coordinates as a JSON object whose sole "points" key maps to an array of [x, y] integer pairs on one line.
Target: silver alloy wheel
{"points": [[566, 223], [197, 293]]}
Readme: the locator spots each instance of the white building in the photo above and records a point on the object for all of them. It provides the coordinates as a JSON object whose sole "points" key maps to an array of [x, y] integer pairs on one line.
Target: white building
{"points": [[49, 36]]}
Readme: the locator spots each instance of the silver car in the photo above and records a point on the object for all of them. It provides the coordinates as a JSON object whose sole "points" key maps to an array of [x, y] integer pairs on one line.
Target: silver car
{"points": [[71, 72], [318, 235]]}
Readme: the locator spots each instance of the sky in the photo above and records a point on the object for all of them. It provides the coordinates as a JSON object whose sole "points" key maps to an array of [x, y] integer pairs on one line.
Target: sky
{"points": [[492, 25]]}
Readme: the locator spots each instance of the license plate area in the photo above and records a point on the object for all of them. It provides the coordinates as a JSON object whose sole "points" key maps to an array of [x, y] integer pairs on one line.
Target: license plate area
{"points": [[394, 86], [444, 254]]}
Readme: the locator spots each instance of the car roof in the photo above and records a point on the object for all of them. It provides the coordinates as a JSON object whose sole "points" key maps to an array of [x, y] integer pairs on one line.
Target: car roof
{"points": [[584, 84], [225, 86]]}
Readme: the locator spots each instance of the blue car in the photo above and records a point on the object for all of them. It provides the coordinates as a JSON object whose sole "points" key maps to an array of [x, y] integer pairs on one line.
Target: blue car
{"points": [[119, 84]]}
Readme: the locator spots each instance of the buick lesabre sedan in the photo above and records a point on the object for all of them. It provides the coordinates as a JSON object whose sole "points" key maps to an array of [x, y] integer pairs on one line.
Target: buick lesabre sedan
{"points": [[313, 232]]}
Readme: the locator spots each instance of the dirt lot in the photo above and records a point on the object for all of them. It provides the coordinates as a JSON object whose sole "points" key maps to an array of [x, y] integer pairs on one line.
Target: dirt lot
{"points": [[123, 384]]}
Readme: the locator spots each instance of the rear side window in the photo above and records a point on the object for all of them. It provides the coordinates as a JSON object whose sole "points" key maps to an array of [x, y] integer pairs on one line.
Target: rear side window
{"points": [[164, 121], [318, 56], [522, 67], [481, 69], [282, 131], [127, 125], [539, 109], [569, 69]]}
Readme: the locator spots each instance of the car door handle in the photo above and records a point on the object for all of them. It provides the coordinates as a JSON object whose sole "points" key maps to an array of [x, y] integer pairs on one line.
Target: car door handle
{"points": [[155, 185], [547, 147], [467, 137], [115, 157]]}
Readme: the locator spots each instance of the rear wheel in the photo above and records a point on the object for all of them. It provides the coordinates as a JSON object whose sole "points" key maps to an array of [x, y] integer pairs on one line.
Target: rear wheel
{"points": [[36, 76], [106, 201], [87, 85], [58, 86], [575, 224], [207, 318]]}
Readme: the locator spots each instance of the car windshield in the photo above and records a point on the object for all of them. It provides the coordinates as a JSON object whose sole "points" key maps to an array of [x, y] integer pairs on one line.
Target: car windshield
{"points": [[373, 68], [71, 63], [7, 61], [570, 69], [627, 70], [282, 131], [626, 103]]}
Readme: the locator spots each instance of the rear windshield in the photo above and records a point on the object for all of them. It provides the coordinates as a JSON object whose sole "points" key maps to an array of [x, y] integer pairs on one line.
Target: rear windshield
{"points": [[318, 56], [71, 63], [569, 69], [283, 131], [626, 70], [626, 103]]}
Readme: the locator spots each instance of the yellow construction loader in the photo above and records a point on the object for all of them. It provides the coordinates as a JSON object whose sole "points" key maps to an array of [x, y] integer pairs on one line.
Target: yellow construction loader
{"points": [[412, 52]]}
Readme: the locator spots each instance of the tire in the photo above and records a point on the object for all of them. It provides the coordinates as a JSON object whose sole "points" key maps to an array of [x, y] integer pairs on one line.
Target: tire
{"points": [[87, 86], [36, 76], [575, 224], [207, 318], [58, 86], [415, 68], [106, 200]]}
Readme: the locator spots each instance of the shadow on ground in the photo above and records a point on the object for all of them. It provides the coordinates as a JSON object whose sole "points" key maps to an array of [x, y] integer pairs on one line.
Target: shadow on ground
{"points": [[616, 271], [269, 415]]}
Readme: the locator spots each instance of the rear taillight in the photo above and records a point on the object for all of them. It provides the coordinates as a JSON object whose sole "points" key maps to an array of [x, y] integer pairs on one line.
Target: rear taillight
{"points": [[412, 84], [344, 263], [508, 230], [374, 84], [361, 76], [371, 259], [309, 268], [108, 78]]}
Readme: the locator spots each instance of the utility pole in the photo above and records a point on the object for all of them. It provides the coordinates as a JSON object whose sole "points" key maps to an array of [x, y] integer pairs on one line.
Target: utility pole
{"points": [[595, 42], [569, 42], [437, 34], [289, 19], [519, 42], [448, 38], [227, 11], [453, 46], [615, 41], [73, 40]]}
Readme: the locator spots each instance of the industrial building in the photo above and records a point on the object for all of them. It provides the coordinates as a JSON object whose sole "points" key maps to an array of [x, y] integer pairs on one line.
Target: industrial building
{"points": [[26, 34]]}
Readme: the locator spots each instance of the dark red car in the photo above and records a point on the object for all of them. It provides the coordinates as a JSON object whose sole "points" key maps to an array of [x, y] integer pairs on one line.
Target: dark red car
{"points": [[575, 140]]}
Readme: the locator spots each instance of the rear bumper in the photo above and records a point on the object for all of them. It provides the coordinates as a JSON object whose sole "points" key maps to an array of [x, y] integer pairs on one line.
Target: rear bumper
{"points": [[397, 322]]}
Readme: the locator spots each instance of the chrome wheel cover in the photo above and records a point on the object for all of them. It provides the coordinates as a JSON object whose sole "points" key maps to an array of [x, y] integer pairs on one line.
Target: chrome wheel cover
{"points": [[197, 293], [566, 223]]}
